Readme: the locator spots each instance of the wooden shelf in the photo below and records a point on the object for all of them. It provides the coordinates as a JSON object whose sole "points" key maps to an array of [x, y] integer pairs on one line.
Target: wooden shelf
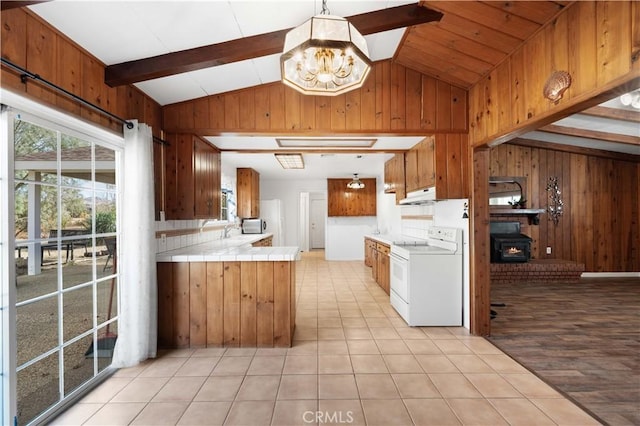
{"points": [[532, 214]]}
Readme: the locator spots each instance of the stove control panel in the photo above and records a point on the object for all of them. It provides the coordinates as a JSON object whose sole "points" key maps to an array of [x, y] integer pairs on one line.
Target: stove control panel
{"points": [[443, 234]]}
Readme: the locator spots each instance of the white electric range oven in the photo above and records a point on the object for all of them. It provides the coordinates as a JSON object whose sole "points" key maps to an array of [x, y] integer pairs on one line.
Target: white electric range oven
{"points": [[426, 279]]}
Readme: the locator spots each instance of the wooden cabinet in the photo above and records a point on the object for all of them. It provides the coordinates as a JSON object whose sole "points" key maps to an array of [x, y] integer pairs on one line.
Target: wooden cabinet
{"points": [[420, 168], [369, 249], [394, 176], [377, 257], [411, 169], [439, 161], [248, 187], [265, 242], [344, 201], [192, 176], [383, 266], [206, 169], [230, 304]]}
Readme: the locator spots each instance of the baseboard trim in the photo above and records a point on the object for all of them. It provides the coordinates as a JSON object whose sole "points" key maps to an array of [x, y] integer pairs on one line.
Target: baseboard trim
{"points": [[610, 275]]}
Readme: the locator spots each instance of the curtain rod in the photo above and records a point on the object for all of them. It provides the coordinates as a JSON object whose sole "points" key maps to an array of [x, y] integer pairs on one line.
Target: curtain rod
{"points": [[24, 74]]}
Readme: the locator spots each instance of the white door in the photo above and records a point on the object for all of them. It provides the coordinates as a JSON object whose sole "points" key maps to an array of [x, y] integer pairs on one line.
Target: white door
{"points": [[318, 214]]}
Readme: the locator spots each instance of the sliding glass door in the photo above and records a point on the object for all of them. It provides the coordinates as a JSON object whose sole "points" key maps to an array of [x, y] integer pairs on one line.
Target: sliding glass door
{"points": [[65, 255]]}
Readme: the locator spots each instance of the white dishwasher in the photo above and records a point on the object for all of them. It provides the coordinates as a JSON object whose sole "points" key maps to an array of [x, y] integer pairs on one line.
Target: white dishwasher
{"points": [[426, 279]]}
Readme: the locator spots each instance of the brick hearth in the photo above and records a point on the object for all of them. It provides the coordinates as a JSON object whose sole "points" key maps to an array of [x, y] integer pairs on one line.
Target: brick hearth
{"points": [[545, 270]]}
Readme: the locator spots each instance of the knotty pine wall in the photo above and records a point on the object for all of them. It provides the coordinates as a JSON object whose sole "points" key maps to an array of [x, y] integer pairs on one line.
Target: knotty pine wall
{"points": [[33, 44], [393, 100], [599, 226], [598, 43]]}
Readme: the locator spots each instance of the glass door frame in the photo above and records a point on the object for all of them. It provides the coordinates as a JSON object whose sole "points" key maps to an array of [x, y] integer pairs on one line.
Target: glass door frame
{"points": [[13, 105]]}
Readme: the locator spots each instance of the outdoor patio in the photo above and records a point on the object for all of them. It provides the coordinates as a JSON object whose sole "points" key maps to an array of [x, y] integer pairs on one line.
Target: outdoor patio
{"points": [[37, 323]]}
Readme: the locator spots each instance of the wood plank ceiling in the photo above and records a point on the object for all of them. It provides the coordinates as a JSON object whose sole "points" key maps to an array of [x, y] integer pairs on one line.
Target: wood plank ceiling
{"points": [[472, 37]]}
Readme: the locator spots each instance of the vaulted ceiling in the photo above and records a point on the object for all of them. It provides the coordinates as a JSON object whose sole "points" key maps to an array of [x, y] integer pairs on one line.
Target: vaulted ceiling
{"points": [[181, 50]]}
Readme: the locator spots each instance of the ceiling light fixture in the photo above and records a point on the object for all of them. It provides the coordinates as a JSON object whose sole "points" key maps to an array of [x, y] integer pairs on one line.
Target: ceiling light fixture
{"points": [[290, 161], [355, 183], [325, 55], [325, 143]]}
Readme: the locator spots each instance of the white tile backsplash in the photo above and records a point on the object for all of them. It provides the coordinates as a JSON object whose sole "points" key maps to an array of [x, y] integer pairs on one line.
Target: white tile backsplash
{"points": [[413, 226], [181, 241]]}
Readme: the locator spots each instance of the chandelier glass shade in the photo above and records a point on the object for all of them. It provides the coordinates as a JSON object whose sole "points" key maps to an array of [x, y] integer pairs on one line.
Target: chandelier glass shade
{"points": [[631, 99], [325, 55], [355, 183]]}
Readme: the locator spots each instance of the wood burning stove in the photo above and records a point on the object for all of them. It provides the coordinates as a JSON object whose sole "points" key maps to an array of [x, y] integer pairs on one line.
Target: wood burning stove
{"points": [[508, 244]]}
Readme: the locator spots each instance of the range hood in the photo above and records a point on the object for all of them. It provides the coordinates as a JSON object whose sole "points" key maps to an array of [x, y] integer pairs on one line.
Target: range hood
{"points": [[425, 196]]}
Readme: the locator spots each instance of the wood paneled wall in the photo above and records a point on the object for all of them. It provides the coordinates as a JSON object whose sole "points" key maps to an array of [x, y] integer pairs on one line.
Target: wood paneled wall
{"points": [[598, 43], [393, 100], [345, 201], [248, 304], [33, 44], [599, 226]]}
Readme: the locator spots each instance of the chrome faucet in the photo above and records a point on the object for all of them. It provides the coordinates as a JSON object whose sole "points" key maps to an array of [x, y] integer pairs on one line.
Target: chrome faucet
{"points": [[225, 234]]}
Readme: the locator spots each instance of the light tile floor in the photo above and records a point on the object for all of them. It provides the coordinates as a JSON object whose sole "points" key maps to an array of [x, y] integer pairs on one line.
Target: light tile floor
{"points": [[354, 361]]}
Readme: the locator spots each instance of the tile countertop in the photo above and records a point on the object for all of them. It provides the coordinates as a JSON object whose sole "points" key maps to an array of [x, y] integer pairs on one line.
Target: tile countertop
{"points": [[391, 239], [235, 248]]}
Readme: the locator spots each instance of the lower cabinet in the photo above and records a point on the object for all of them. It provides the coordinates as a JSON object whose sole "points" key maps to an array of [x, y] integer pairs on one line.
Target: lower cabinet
{"points": [[265, 242], [369, 249], [230, 304], [376, 255], [384, 265]]}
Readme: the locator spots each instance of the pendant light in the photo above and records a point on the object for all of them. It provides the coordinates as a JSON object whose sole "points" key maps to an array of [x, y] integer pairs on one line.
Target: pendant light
{"points": [[355, 183], [325, 55]]}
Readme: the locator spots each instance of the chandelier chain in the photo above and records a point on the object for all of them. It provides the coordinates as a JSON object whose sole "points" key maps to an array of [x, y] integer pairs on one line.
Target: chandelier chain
{"points": [[325, 9]]}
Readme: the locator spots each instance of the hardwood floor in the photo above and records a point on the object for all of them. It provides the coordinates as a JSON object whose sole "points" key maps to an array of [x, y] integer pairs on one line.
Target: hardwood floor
{"points": [[581, 338]]}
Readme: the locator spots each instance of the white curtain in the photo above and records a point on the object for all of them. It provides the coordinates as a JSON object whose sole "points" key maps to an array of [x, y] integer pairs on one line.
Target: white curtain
{"points": [[137, 324]]}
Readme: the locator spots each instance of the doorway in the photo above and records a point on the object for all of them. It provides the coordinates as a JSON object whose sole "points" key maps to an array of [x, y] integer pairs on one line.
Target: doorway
{"points": [[317, 219], [61, 187]]}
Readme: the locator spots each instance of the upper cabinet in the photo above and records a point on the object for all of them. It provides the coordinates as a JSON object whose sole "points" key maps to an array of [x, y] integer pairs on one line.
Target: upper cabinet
{"points": [[345, 201], [192, 178], [248, 187], [419, 165], [439, 161], [206, 170], [394, 176]]}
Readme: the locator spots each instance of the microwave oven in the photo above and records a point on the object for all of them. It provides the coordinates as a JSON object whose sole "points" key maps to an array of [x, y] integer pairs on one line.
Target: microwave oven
{"points": [[253, 226]]}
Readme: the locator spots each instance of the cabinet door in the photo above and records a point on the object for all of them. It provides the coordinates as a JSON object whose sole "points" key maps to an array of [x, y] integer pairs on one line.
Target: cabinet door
{"points": [[255, 194], [383, 271], [399, 178], [206, 170], [179, 196], [426, 163], [411, 169], [374, 265], [248, 186], [367, 252], [389, 176]]}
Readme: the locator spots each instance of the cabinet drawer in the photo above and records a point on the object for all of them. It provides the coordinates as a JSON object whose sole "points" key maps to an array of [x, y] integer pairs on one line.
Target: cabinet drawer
{"points": [[383, 248]]}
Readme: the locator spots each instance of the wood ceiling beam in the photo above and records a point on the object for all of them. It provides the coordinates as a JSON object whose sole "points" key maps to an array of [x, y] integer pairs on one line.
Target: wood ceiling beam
{"points": [[6, 5], [613, 113], [591, 134], [255, 46], [601, 153]]}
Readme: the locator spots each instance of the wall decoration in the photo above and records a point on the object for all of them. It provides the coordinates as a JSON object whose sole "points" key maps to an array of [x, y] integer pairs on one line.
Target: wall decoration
{"points": [[555, 201], [557, 83]]}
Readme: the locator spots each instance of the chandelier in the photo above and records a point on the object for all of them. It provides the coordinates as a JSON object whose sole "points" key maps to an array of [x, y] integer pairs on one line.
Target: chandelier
{"points": [[325, 55], [355, 183], [631, 99]]}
